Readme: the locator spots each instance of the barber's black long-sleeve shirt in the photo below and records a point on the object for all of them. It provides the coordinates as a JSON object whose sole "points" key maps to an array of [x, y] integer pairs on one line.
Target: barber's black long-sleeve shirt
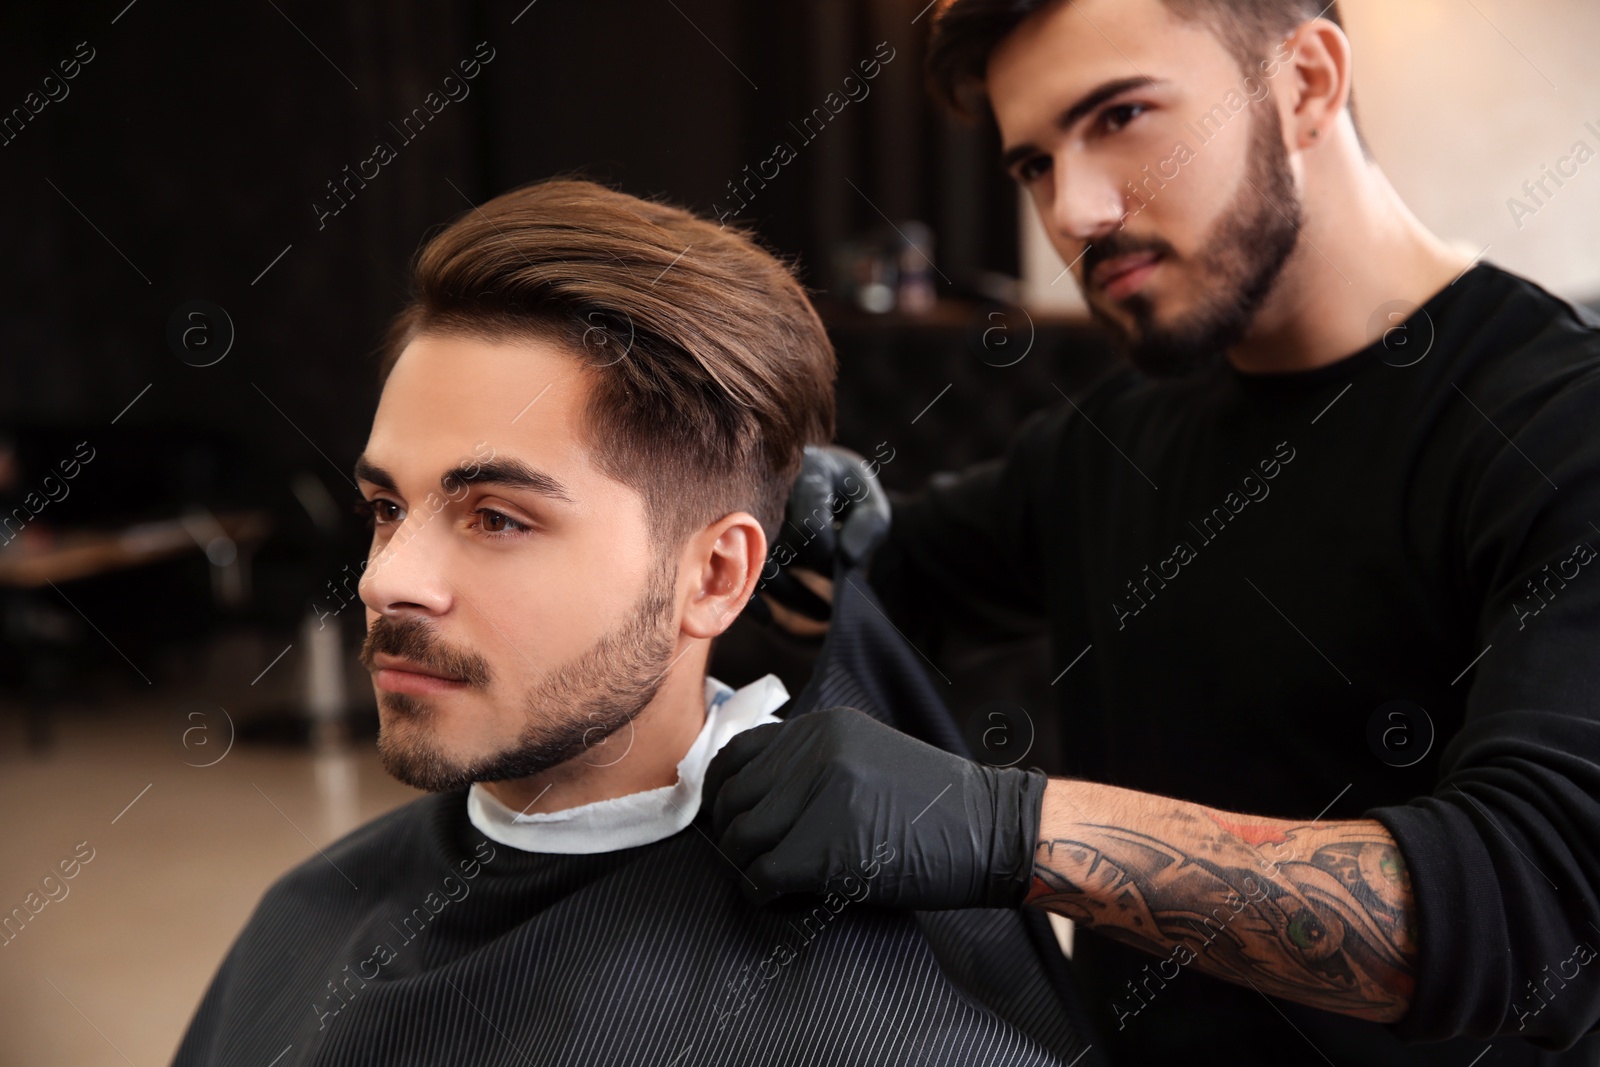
{"points": [[1258, 568]]}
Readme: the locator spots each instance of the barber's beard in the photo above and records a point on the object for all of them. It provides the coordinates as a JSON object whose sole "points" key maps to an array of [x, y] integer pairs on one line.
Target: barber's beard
{"points": [[1240, 262], [574, 709]]}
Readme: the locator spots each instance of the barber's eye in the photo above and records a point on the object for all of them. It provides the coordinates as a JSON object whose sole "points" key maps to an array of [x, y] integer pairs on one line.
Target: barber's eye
{"points": [[493, 522], [1115, 118], [1032, 169]]}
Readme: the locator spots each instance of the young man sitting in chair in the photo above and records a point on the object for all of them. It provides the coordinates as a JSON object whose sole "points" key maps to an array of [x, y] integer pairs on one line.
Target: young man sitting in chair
{"points": [[592, 414]]}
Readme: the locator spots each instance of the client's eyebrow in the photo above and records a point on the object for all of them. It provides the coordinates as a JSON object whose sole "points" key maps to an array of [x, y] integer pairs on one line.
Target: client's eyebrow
{"points": [[368, 471], [508, 473]]}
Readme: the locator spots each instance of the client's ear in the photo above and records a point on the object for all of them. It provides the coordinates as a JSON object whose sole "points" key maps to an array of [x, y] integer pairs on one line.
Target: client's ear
{"points": [[726, 557]]}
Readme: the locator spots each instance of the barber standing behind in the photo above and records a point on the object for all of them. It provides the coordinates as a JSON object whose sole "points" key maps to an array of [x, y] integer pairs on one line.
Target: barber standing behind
{"points": [[1319, 571]]}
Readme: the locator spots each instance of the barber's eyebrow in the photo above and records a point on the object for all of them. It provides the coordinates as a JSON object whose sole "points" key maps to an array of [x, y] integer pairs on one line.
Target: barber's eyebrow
{"points": [[505, 472], [1071, 115]]}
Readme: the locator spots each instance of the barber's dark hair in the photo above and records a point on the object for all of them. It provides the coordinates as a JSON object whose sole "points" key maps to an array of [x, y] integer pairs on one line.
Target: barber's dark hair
{"points": [[710, 369], [966, 32]]}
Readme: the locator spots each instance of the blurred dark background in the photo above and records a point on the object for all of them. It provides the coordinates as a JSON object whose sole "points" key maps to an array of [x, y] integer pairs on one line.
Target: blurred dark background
{"points": [[202, 260], [192, 149]]}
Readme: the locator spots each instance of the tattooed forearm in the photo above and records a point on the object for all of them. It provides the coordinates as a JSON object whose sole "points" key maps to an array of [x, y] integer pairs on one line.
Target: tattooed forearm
{"points": [[1317, 913]]}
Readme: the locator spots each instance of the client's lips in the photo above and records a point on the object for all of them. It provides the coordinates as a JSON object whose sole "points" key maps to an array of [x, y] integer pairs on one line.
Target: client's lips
{"points": [[1125, 274], [404, 676]]}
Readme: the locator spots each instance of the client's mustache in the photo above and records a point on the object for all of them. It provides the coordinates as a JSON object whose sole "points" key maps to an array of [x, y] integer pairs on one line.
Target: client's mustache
{"points": [[411, 639]]}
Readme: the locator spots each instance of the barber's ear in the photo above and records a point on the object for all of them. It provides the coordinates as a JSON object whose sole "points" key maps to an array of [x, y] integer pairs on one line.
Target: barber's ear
{"points": [[1322, 75], [726, 559]]}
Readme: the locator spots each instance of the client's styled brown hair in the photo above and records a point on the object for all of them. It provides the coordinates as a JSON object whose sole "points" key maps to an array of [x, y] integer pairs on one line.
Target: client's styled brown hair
{"points": [[710, 369]]}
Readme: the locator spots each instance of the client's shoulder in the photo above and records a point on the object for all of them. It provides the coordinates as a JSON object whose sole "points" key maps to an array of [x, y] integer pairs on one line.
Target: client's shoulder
{"points": [[383, 851]]}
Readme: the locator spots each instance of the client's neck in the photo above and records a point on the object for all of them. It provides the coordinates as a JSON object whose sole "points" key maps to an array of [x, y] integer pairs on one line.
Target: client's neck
{"points": [[641, 756]]}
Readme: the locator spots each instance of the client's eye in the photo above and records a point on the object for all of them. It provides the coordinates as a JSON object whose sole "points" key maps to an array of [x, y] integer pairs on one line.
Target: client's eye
{"points": [[496, 524], [378, 511]]}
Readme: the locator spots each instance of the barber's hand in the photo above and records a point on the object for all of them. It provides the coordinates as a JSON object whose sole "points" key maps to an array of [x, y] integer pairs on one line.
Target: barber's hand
{"points": [[837, 511], [796, 804]]}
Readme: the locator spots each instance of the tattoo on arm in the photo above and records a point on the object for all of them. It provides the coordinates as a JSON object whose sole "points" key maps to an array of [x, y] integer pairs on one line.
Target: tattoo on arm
{"points": [[1320, 914]]}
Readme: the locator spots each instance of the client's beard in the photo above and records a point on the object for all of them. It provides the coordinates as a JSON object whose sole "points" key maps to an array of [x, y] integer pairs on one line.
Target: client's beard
{"points": [[575, 707], [1245, 253]]}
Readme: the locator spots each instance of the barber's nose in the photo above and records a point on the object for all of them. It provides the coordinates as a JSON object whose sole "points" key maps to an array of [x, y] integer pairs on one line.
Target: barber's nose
{"points": [[407, 574], [1086, 204]]}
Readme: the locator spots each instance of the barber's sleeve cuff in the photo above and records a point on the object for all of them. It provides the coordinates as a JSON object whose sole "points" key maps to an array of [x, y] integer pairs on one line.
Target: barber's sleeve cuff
{"points": [[1462, 978]]}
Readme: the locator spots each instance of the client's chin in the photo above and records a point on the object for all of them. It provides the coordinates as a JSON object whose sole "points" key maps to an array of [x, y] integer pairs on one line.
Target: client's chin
{"points": [[411, 749]]}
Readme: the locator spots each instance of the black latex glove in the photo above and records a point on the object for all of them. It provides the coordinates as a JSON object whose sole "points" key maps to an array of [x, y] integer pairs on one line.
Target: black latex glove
{"points": [[798, 804], [837, 512]]}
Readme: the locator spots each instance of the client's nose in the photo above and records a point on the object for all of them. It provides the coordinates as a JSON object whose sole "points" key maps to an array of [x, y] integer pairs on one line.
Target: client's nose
{"points": [[405, 576]]}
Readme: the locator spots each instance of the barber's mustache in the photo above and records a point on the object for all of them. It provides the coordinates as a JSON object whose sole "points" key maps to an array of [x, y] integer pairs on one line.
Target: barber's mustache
{"points": [[412, 639], [1118, 244]]}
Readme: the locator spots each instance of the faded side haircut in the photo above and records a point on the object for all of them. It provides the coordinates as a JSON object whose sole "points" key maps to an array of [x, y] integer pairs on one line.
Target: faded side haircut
{"points": [[710, 369]]}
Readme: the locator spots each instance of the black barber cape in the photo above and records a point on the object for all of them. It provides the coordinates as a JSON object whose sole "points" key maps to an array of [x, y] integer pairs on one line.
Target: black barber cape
{"points": [[416, 940]]}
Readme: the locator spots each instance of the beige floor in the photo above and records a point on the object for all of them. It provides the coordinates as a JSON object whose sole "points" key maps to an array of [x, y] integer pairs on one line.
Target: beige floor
{"points": [[111, 972]]}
